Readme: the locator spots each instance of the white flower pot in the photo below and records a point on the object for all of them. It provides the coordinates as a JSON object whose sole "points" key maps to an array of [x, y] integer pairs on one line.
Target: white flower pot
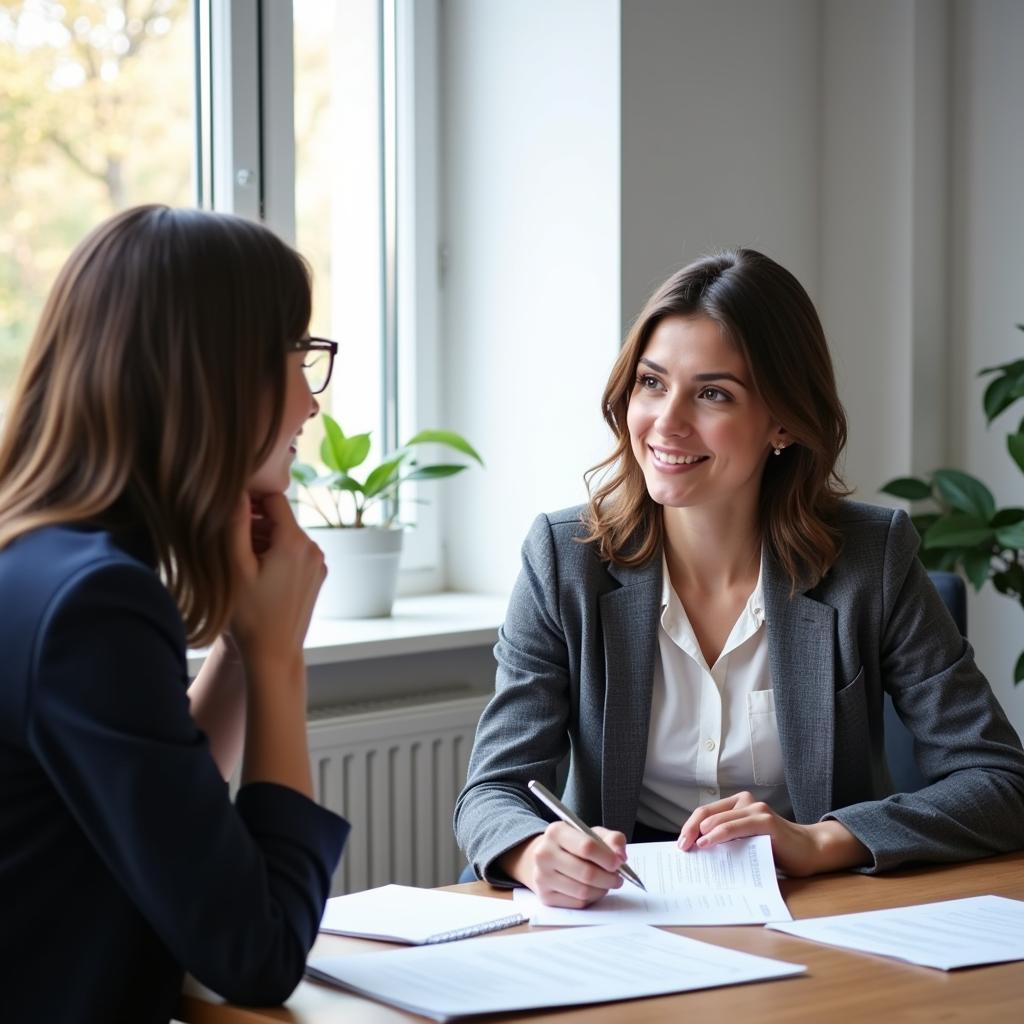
{"points": [[362, 571]]}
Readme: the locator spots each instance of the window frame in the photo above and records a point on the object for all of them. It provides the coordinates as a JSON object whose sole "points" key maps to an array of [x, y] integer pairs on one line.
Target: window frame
{"points": [[244, 103]]}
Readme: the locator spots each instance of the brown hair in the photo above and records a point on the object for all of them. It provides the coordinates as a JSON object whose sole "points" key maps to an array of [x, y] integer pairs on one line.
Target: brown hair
{"points": [[767, 313], [142, 400]]}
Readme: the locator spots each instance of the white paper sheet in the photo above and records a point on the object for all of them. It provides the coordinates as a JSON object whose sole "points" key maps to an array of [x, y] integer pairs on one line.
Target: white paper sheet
{"points": [[404, 913], [946, 935], [733, 883], [532, 970]]}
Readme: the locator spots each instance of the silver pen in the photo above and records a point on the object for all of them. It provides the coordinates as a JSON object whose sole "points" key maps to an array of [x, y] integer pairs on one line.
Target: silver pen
{"points": [[546, 797]]}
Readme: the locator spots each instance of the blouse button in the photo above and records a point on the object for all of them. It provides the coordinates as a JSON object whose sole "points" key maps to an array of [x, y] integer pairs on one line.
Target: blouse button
{"points": [[709, 744]]}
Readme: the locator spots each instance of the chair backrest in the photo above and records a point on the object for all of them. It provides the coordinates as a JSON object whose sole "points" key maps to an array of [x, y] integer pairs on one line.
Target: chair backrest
{"points": [[899, 744]]}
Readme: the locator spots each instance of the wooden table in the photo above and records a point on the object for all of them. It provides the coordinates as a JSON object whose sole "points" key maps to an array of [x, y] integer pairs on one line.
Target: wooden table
{"points": [[840, 985]]}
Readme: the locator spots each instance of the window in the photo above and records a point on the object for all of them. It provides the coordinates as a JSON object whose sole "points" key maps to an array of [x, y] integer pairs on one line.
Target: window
{"points": [[366, 218], [339, 195], [97, 115], [301, 115]]}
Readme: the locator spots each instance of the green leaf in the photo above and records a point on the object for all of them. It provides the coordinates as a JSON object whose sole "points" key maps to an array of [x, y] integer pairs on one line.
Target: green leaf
{"points": [[1010, 580], [303, 473], [965, 493], [332, 444], [1015, 443], [934, 559], [383, 475], [958, 531], [923, 521], [1011, 536], [345, 453], [1007, 517], [909, 488], [446, 437], [976, 565], [1014, 368], [1018, 669], [998, 395], [434, 472], [342, 482]]}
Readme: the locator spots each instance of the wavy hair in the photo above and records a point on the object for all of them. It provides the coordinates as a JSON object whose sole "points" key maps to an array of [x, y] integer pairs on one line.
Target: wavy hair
{"points": [[152, 390], [766, 312]]}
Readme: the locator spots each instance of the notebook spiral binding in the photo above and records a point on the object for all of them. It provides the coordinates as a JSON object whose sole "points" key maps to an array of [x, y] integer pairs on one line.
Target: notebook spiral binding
{"points": [[480, 929]]}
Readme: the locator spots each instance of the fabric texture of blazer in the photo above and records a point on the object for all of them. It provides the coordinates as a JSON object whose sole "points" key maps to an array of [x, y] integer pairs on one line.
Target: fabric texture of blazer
{"points": [[123, 861], [576, 659]]}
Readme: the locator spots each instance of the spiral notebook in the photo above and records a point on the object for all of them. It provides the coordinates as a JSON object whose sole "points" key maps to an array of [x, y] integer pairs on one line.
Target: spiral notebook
{"points": [[419, 917]]}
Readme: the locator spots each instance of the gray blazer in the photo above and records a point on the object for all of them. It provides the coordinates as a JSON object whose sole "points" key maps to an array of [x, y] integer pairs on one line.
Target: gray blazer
{"points": [[576, 662]]}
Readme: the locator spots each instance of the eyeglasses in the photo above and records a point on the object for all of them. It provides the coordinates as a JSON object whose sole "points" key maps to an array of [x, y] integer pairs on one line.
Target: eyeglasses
{"points": [[319, 361]]}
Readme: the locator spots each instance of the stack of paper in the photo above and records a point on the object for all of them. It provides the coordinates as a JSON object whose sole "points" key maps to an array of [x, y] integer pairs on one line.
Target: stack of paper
{"points": [[953, 933], [734, 883], [530, 971]]}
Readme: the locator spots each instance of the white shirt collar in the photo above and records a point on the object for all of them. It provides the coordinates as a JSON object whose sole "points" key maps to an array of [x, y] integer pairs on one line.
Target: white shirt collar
{"points": [[676, 623]]}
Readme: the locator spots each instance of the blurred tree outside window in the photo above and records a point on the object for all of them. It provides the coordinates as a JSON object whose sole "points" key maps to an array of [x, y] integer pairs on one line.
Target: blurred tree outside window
{"points": [[97, 113]]}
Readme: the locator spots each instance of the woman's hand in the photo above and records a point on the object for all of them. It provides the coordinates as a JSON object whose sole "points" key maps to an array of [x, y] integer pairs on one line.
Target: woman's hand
{"points": [[564, 867], [279, 571], [799, 850]]}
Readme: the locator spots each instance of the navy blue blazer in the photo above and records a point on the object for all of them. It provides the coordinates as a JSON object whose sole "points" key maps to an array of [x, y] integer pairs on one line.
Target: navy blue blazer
{"points": [[123, 861]]}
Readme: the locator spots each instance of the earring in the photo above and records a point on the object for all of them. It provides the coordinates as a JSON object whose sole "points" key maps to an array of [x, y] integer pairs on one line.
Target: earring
{"points": [[779, 447]]}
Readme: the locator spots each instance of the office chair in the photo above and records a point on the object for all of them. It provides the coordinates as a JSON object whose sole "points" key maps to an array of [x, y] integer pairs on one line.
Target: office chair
{"points": [[899, 744]]}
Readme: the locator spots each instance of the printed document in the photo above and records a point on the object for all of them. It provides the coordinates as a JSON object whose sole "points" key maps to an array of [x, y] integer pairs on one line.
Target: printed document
{"points": [[946, 935], [733, 883], [528, 971]]}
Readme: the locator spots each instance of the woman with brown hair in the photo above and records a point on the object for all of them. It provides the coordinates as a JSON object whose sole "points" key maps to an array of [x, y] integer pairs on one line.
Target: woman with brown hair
{"points": [[708, 641], [143, 462]]}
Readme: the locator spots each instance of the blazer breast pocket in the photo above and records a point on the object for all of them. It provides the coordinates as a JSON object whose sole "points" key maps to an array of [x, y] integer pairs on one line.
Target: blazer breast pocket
{"points": [[765, 748]]}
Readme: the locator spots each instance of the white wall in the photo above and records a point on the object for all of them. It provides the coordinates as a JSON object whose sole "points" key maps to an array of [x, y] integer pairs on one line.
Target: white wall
{"points": [[531, 293], [987, 279], [875, 148], [720, 136], [883, 228]]}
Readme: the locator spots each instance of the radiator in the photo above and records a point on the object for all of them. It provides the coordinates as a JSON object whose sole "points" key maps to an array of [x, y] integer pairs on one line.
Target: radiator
{"points": [[394, 771]]}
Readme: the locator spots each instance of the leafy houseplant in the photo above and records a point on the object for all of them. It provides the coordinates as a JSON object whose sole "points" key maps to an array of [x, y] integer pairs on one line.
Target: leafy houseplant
{"points": [[362, 560], [964, 529], [341, 454]]}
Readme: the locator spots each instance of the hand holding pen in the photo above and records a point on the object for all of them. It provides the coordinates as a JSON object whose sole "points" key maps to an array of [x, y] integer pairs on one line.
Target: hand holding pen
{"points": [[542, 793], [566, 866]]}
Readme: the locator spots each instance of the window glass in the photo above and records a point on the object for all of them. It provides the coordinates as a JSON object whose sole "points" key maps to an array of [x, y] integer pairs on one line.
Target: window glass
{"points": [[338, 203], [97, 114]]}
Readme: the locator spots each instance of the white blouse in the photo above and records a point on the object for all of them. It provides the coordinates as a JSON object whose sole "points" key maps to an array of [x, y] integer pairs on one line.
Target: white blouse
{"points": [[712, 731]]}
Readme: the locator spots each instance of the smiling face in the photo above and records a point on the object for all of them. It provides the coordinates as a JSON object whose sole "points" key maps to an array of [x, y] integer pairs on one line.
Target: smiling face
{"points": [[299, 405], [698, 428]]}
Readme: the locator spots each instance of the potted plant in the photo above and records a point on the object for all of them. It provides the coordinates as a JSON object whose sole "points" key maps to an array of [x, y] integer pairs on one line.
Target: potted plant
{"points": [[362, 559], [962, 528]]}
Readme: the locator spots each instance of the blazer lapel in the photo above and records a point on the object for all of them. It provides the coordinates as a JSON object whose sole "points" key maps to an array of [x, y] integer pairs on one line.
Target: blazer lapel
{"points": [[629, 622], [801, 653]]}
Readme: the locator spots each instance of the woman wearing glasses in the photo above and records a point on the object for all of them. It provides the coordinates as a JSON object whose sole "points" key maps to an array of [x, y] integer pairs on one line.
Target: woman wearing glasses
{"points": [[143, 462], [707, 643]]}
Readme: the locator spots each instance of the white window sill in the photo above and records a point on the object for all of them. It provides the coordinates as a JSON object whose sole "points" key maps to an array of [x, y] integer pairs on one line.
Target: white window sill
{"points": [[428, 622]]}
